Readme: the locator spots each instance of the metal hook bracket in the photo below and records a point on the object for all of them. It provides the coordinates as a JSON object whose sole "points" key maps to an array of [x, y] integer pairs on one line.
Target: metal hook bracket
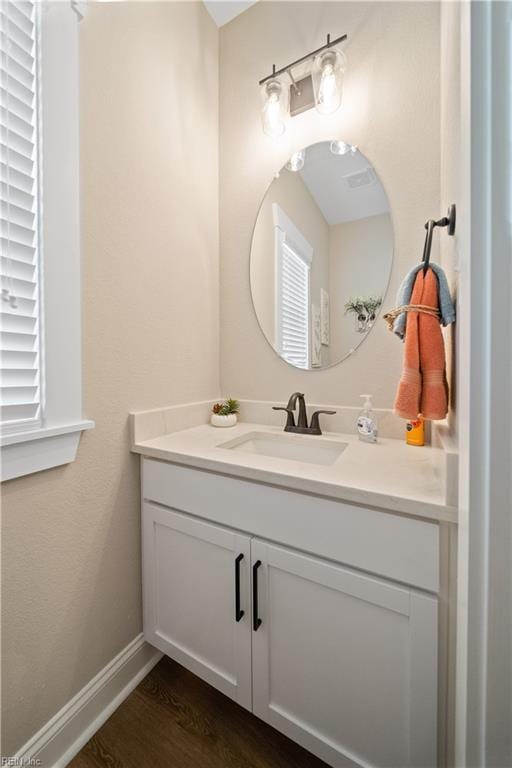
{"points": [[448, 221]]}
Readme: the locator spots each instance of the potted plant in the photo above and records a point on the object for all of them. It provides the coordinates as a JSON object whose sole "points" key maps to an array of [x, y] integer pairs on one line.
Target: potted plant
{"points": [[372, 304], [225, 414], [356, 307], [365, 310]]}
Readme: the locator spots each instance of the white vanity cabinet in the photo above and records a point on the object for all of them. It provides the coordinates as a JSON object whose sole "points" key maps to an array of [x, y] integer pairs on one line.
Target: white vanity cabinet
{"points": [[344, 663], [195, 582], [341, 660]]}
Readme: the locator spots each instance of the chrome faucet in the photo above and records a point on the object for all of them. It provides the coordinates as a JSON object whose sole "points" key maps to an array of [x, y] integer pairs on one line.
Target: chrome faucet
{"points": [[302, 424]]}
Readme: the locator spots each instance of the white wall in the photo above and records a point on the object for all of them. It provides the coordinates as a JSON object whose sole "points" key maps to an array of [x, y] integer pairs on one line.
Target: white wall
{"points": [[71, 536], [451, 249], [484, 372], [450, 175], [391, 113]]}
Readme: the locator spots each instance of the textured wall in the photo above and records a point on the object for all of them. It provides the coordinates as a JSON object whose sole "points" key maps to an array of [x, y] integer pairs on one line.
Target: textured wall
{"points": [[391, 113], [71, 564], [450, 175]]}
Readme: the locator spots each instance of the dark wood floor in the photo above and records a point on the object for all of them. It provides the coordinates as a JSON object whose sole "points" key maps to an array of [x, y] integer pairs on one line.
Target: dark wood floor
{"points": [[174, 720]]}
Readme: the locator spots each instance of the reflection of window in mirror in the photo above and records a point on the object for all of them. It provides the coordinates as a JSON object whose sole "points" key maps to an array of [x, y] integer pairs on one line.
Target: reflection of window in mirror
{"points": [[293, 257], [293, 307]]}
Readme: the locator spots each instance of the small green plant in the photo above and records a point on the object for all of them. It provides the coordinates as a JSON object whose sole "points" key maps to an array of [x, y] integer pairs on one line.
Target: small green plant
{"points": [[355, 305], [226, 407], [365, 310], [372, 304], [359, 305]]}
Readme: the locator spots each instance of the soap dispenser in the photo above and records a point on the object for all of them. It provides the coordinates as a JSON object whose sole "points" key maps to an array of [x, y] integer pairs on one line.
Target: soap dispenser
{"points": [[366, 426]]}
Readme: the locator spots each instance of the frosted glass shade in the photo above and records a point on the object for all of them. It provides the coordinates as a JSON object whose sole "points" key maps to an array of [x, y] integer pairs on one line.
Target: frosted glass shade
{"points": [[328, 70], [274, 110]]}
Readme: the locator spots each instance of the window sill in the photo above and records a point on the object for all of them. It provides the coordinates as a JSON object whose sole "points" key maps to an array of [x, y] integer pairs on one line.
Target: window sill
{"points": [[24, 453]]}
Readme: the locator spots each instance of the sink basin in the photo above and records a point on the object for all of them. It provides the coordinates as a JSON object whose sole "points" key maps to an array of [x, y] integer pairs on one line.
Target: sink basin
{"points": [[305, 448]]}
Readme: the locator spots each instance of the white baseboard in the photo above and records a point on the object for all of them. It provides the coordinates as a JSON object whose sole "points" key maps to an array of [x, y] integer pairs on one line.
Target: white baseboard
{"points": [[55, 745]]}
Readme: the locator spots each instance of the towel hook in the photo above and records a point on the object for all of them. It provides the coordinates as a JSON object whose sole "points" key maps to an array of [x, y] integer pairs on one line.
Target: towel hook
{"points": [[447, 221]]}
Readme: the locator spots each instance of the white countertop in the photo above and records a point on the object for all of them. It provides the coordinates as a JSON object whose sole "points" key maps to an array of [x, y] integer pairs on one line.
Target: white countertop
{"points": [[388, 474]]}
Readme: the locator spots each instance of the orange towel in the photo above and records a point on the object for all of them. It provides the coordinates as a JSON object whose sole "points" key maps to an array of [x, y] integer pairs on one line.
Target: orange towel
{"points": [[423, 387]]}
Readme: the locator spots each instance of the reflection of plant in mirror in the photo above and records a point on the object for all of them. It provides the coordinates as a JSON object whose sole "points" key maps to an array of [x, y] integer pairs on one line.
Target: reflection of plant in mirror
{"points": [[226, 407], [354, 305], [365, 310]]}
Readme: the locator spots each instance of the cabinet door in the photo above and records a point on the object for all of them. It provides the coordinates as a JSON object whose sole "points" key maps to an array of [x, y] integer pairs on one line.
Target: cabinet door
{"points": [[190, 574], [344, 663]]}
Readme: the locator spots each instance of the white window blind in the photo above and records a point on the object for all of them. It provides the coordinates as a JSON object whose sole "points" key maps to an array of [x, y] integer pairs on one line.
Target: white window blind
{"points": [[20, 391], [293, 307]]}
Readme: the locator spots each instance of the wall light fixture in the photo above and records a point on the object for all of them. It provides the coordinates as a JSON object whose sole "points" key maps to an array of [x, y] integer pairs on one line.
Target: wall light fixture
{"points": [[321, 88], [274, 108]]}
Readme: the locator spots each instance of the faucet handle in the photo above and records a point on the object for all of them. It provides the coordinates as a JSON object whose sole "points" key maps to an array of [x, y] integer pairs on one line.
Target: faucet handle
{"points": [[315, 423], [290, 421]]}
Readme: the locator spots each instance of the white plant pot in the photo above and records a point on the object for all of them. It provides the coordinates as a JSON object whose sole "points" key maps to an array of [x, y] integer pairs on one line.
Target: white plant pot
{"points": [[218, 420]]}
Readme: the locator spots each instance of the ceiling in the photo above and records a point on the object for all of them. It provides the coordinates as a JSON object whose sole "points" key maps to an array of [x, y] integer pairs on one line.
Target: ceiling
{"points": [[345, 187], [223, 11]]}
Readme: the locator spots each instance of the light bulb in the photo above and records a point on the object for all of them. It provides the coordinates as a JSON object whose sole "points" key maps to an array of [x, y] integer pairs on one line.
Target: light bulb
{"points": [[328, 69], [273, 115], [296, 161], [328, 93]]}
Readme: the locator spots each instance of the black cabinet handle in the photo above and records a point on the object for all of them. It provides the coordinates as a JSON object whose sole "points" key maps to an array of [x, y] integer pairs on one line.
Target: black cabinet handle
{"points": [[256, 621], [238, 613]]}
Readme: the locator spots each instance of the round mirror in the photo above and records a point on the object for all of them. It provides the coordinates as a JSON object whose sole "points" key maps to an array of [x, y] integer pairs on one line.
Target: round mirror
{"points": [[321, 255]]}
